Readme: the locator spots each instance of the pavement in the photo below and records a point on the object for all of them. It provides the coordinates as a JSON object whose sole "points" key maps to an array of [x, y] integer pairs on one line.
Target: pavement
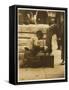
{"points": [[41, 73]]}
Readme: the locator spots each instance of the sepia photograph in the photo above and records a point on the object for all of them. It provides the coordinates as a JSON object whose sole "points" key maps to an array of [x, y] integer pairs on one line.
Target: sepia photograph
{"points": [[41, 44]]}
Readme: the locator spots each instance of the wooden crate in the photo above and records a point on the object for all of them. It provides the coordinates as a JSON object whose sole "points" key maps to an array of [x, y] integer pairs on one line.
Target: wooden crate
{"points": [[39, 61]]}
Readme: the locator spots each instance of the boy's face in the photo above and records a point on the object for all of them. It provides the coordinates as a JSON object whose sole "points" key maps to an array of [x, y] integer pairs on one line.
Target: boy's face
{"points": [[39, 36]]}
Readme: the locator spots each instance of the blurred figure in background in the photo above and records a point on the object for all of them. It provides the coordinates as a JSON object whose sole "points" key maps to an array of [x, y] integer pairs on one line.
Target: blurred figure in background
{"points": [[51, 31], [60, 33]]}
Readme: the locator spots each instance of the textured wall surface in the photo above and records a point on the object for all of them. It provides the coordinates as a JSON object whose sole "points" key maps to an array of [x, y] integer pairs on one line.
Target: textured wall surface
{"points": [[25, 33]]}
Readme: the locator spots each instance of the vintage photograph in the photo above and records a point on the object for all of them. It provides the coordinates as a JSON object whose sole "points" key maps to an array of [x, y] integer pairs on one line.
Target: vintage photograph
{"points": [[40, 44]]}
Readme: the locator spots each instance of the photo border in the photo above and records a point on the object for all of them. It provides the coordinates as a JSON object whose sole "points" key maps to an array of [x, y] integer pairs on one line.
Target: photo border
{"points": [[16, 42]]}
